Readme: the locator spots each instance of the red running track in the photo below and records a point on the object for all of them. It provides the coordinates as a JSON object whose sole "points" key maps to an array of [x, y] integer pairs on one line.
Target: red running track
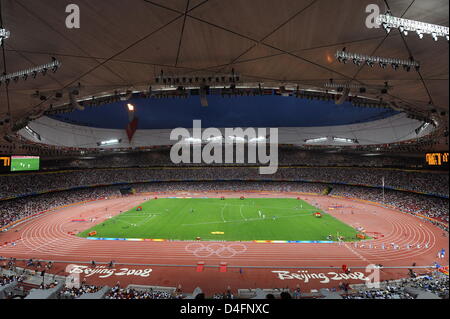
{"points": [[250, 265]]}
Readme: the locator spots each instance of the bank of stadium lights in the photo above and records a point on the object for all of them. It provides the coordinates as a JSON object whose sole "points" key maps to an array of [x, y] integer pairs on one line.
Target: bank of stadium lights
{"points": [[389, 22], [371, 61], [191, 140], [369, 103], [32, 132], [128, 96], [236, 139], [4, 34], [345, 140], [316, 140], [32, 72], [339, 86], [314, 95], [361, 101]]}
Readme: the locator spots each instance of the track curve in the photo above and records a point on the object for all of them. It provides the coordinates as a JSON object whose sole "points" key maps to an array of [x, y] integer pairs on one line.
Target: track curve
{"points": [[48, 238]]}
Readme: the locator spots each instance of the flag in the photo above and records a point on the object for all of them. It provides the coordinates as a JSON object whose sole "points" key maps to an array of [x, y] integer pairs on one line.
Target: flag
{"points": [[131, 128]]}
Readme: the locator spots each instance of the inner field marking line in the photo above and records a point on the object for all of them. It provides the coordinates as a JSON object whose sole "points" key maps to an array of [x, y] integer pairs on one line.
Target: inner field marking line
{"points": [[270, 207], [138, 224], [136, 216], [44, 244], [221, 212], [240, 211], [145, 221]]}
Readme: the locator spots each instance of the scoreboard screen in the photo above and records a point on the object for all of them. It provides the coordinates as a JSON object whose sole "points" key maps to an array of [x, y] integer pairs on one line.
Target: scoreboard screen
{"points": [[25, 163], [437, 159]]}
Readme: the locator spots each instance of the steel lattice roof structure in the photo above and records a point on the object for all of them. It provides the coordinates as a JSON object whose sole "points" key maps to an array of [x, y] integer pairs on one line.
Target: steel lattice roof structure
{"points": [[124, 45]]}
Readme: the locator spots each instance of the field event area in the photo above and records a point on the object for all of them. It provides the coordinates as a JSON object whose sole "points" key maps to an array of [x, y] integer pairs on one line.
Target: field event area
{"points": [[231, 219]]}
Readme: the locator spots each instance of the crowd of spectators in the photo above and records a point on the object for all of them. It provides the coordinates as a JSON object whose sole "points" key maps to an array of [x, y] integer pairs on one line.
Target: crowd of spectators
{"points": [[6, 280], [286, 156], [406, 288], [437, 286], [417, 181], [16, 209], [389, 292], [430, 206]]}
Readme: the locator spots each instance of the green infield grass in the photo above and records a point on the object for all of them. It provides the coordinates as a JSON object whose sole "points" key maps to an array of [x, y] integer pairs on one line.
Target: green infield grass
{"points": [[230, 220]]}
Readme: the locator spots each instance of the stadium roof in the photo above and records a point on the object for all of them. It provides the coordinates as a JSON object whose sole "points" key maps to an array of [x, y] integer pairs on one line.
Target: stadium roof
{"points": [[124, 45]]}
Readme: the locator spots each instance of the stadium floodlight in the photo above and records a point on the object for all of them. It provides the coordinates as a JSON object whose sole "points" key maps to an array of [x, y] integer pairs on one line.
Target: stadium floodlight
{"points": [[54, 65], [109, 142], [214, 139], [258, 139], [345, 140], [360, 59], [404, 25], [4, 34], [316, 140]]}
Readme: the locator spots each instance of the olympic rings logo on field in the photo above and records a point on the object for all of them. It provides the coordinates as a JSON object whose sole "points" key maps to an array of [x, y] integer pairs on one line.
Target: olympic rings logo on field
{"points": [[215, 249]]}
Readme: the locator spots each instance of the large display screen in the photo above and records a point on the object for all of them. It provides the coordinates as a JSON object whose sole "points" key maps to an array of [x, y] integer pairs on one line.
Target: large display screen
{"points": [[25, 163]]}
